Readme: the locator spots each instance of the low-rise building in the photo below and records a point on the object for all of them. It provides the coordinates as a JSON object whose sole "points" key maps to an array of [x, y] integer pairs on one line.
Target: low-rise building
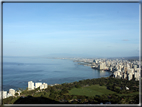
{"points": [[127, 88]]}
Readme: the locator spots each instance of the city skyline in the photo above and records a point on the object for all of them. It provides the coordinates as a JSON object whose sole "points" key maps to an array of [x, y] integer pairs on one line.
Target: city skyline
{"points": [[71, 29]]}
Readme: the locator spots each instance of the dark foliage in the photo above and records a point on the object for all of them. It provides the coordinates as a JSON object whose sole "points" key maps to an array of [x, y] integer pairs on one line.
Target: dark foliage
{"points": [[58, 94]]}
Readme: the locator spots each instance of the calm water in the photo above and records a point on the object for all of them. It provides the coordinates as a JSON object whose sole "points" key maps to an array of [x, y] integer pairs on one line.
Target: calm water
{"points": [[18, 71]]}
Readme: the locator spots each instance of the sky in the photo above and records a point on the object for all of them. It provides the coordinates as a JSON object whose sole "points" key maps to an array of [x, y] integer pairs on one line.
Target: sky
{"points": [[71, 29]]}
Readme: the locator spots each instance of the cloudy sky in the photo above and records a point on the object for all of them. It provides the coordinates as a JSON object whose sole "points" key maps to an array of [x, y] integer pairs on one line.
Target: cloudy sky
{"points": [[71, 29]]}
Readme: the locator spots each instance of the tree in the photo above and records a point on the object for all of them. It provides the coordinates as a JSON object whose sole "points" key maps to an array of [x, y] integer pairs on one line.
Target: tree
{"points": [[52, 90], [78, 86], [16, 94], [64, 91], [53, 96]]}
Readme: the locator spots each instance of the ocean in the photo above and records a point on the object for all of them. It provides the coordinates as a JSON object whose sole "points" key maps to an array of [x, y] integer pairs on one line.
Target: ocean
{"points": [[17, 71]]}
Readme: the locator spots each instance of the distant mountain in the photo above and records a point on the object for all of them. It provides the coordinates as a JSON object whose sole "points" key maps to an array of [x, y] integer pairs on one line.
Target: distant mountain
{"points": [[70, 55], [132, 57]]}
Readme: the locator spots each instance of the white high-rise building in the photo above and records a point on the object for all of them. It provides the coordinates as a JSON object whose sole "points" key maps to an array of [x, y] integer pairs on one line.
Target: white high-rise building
{"points": [[120, 66], [118, 73], [135, 66], [125, 75], [137, 76], [128, 66], [115, 74], [137, 69], [38, 84], [12, 92], [43, 86], [130, 70], [102, 66], [4, 94], [129, 76], [0, 95], [30, 85]]}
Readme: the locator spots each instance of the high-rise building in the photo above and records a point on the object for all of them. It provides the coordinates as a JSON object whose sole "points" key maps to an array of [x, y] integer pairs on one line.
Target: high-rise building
{"points": [[120, 66], [43, 86], [12, 92], [137, 76], [131, 65], [135, 66], [125, 69], [137, 69], [130, 76], [38, 84], [4, 94], [128, 66], [125, 75], [130, 70], [30, 85], [102, 66], [115, 74]]}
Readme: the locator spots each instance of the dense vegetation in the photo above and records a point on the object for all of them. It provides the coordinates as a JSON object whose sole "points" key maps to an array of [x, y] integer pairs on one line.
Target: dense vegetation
{"points": [[103, 90]]}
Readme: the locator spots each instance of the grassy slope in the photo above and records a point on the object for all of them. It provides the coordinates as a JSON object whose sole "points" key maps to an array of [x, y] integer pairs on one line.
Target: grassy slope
{"points": [[93, 90]]}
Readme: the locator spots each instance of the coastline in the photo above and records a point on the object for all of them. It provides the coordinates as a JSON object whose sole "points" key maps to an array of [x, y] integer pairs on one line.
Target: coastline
{"points": [[67, 79], [90, 64]]}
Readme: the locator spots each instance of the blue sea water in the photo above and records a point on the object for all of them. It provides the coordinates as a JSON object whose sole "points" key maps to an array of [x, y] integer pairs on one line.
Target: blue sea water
{"points": [[17, 71]]}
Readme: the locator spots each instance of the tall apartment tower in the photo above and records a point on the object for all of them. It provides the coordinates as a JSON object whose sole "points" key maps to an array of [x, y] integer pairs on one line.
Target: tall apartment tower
{"points": [[135, 66], [30, 85], [125, 70], [12, 92], [45, 85], [128, 66], [102, 66], [4, 94], [129, 76], [38, 84]]}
